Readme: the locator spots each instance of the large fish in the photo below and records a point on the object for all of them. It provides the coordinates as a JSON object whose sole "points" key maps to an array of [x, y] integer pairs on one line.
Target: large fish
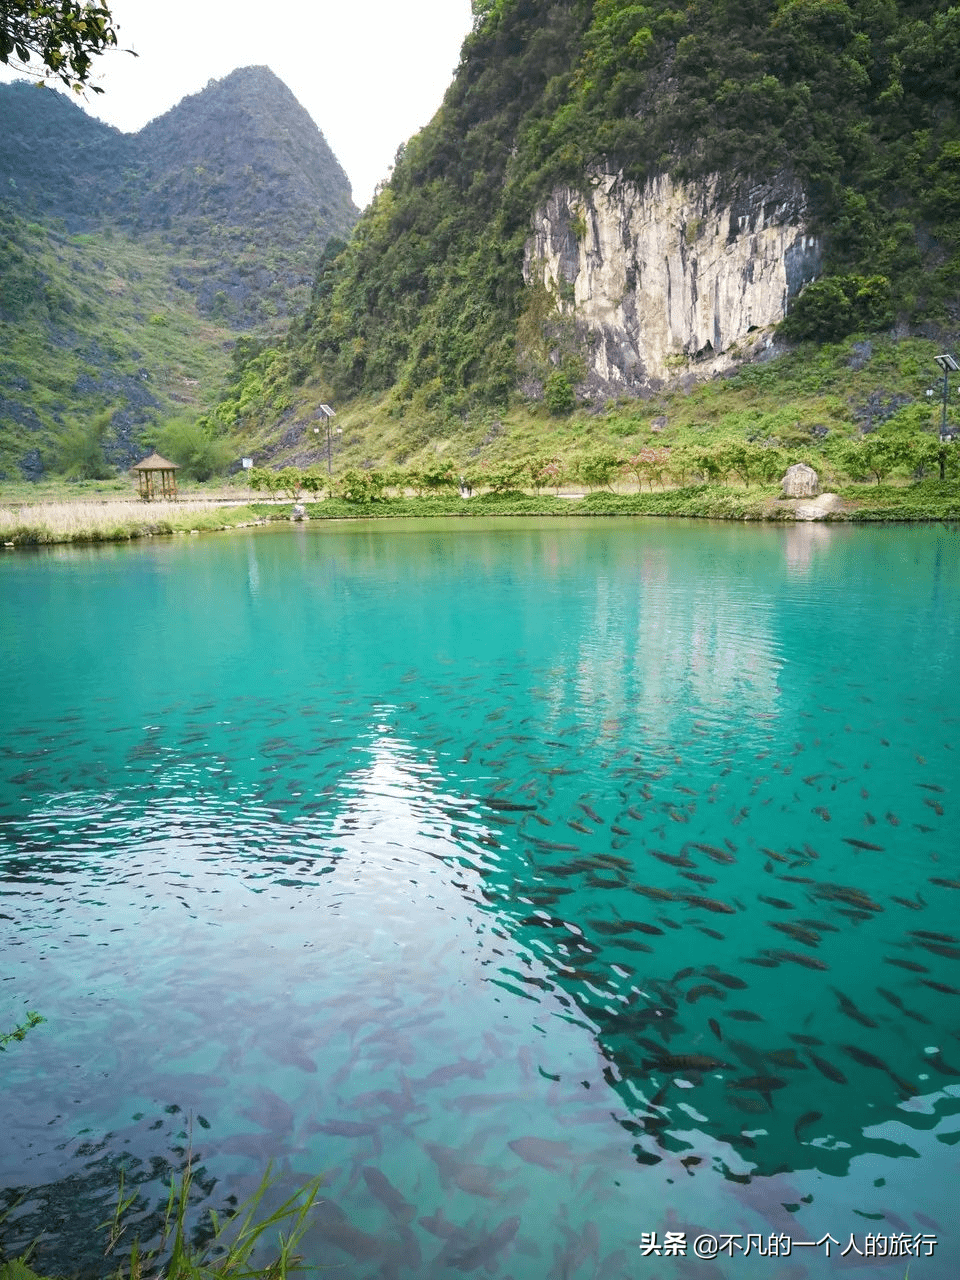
{"points": [[541, 1151], [482, 1252], [709, 904], [827, 1068], [808, 962], [383, 1189]]}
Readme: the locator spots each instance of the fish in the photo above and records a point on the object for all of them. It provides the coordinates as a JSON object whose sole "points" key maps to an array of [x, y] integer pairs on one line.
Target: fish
{"points": [[650, 891], [383, 1189], [910, 965], [697, 878], [507, 806], [822, 812], [744, 1015], [850, 1009], [808, 962], [908, 902], [591, 813], [808, 1118], [718, 855], [796, 931], [937, 1062], [758, 1084], [933, 937], [772, 853], [541, 1151], [616, 927], [620, 831], [685, 1062], [672, 859], [862, 844], [827, 1068], [345, 1128], [931, 786], [703, 989], [579, 826], [714, 1026], [483, 1252], [725, 979], [709, 904], [786, 1058], [936, 986], [780, 903], [946, 884], [864, 1058], [897, 1003], [805, 1040], [892, 819], [939, 949]]}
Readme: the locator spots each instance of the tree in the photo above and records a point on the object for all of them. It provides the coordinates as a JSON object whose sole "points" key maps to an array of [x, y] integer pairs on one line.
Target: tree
{"points": [[58, 37], [598, 469]]}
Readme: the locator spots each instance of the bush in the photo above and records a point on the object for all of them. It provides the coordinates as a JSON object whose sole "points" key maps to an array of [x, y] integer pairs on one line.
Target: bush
{"points": [[199, 454], [558, 394], [827, 310], [598, 469], [361, 486]]}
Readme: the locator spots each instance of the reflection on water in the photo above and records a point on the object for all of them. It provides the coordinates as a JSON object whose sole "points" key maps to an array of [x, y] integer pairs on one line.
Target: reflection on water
{"points": [[473, 868], [802, 542]]}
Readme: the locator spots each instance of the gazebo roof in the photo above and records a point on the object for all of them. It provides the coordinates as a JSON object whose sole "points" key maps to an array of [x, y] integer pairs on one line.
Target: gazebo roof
{"points": [[156, 463]]}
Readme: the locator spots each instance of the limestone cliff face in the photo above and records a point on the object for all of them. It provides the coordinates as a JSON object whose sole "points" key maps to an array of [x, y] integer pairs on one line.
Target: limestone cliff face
{"points": [[669, 280]]}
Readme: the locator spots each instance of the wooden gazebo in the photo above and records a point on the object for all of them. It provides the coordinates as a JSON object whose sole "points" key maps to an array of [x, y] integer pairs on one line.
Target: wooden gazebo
{"points": [[157, 476]]}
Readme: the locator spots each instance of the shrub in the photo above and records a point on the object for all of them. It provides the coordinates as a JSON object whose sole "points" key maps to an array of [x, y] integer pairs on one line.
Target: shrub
{"points": [[361, 486], [598, 469], [199, 453], [558, 394], [827, 310]]}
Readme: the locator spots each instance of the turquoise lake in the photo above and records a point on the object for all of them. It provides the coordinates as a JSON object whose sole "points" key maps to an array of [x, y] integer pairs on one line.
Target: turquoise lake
{"points": [[582, 898]]}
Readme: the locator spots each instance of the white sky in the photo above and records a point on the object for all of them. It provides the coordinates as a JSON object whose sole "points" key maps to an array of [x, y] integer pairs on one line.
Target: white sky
{"points": [[371, 73]]}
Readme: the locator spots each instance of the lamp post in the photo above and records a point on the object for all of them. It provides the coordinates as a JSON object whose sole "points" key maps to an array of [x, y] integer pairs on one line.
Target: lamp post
{"points": [[326, 413], [949, 365]]}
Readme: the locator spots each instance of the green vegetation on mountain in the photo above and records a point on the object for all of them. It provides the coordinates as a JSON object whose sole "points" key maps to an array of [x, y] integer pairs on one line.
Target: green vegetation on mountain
{"points": [[99, 348], [425, 310], [129, 264]]}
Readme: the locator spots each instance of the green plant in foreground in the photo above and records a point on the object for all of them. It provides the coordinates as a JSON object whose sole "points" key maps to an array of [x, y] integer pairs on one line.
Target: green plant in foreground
{"points": [[237, 1237]]}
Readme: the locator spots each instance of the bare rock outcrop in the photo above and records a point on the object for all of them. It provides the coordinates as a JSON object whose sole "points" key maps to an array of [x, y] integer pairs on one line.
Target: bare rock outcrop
{"points": [[669, 279]]}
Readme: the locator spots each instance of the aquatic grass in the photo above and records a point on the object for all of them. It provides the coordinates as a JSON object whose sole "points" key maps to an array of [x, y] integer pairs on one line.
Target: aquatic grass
{"points": [[230, 1250]]}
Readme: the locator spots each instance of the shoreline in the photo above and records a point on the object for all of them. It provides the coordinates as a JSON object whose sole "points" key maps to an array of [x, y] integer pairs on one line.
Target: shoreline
{"points": [[86, 523]]}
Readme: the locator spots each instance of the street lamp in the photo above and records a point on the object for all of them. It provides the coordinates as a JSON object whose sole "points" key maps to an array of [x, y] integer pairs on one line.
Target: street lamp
{"points": [[949, 365], [326, 413]]}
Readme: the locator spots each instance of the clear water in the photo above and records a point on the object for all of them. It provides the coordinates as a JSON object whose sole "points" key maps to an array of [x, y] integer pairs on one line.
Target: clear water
{"points": [[542, 884]]}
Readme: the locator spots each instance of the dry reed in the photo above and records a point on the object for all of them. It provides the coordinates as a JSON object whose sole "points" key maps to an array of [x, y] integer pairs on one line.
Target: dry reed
{"points": [[52, 522]]}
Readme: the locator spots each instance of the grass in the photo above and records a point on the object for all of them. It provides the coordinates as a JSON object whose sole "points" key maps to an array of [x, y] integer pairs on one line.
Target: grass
{"points": [[234, 1241], [58, 522], [798, 399]]}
